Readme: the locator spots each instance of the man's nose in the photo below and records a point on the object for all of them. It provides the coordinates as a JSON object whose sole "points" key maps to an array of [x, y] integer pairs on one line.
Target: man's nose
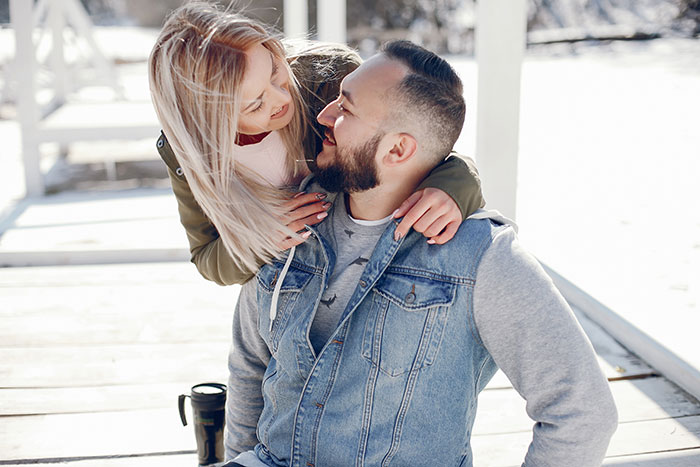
{"points": [[327, 116]]}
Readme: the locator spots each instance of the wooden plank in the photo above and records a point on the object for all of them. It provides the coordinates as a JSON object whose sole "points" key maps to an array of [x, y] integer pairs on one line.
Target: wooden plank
{"points": [[42, 401], [151, 460], [656, 354], [684, 458], [95, 434], [122, 275], [633, 438], [115, 315], [615, 360], [503, 411], [113, 364], [86, 116]]}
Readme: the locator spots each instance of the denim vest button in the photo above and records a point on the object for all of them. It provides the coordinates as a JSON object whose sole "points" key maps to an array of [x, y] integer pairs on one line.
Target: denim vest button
{"points": [[363, 284], [161, 143], [179, 171], [410, 297]]}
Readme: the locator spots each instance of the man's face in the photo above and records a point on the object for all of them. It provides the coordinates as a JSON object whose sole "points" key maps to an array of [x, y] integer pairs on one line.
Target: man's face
{"points": [[348, 161], [352, 169]]}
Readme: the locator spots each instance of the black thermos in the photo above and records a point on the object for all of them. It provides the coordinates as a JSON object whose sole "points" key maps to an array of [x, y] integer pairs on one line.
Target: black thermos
{"points": [[208, 408]]}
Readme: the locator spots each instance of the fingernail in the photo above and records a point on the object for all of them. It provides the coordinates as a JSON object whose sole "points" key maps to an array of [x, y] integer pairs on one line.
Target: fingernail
{"points": [[397, 236], [393, 214], [327, 205], [306, 234], [299, 194], [322, 215], [431, 241], [320, 195]]}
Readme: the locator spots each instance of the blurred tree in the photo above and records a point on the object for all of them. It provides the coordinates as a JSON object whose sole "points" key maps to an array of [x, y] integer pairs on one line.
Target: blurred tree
{"points": [[690, 10]]}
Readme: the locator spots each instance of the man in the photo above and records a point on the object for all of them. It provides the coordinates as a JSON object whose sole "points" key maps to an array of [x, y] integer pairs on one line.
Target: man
{"points": [[365, 348]]}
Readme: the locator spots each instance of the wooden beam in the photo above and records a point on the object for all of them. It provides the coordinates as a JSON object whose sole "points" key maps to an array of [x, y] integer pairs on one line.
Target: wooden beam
{"points": [[500, 44], [27, 109], [296, 18], [643, 345], [331, 21]]}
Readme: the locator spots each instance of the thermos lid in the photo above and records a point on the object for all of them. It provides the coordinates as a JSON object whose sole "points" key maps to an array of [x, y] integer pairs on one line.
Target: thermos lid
{"points": [[209, 394]]}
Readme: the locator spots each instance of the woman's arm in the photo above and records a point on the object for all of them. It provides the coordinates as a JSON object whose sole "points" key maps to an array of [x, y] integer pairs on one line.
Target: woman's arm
{"points": [[458, 177], [207, 249], [448, 195]]}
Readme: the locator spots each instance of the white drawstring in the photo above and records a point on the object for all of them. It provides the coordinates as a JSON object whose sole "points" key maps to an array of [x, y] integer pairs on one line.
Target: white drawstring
{"points": [[278, 286]]}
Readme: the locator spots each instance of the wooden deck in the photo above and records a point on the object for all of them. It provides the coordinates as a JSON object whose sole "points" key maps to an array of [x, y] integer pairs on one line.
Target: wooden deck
{"points": [[92, 359]]}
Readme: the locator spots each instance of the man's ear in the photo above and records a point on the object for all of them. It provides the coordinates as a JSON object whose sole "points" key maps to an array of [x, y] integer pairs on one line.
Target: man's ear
{"points": [[403, 149]]}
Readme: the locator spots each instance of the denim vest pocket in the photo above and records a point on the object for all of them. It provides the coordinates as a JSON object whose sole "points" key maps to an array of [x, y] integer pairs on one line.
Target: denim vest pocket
{"points": [[405, 322], [294, 282]]}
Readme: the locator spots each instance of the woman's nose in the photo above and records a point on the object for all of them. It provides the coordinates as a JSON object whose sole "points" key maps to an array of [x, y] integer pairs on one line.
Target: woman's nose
{"points": [[281, 95]]}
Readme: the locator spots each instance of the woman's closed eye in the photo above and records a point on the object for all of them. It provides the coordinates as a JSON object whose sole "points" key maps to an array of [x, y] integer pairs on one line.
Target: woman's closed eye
{"points": [[257, 107]]}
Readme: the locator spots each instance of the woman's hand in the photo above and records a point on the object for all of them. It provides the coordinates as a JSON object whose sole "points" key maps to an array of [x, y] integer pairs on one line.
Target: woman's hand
{"points": [[303, 209], [431, 212]]}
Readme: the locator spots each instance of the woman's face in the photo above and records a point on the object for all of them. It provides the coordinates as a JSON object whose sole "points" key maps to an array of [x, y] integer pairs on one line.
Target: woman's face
{"points": [[266, 104]]}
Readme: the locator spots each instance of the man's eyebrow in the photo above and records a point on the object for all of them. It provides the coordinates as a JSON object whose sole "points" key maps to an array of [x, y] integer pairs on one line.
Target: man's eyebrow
{"points": [[347, 95]]}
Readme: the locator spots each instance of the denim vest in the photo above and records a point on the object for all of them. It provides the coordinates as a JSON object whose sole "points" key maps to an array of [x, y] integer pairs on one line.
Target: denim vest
{"points": [[397, 382]]}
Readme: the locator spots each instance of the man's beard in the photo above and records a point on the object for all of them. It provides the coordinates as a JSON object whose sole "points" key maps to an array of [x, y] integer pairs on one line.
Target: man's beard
{"points": [[352, 170]]}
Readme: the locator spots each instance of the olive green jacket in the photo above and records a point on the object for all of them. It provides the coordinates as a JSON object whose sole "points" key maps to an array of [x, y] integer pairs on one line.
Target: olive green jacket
{"points": [[319, 73]]}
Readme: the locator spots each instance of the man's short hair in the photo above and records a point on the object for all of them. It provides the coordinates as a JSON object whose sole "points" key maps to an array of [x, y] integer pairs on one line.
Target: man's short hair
{"points": [[430, 96]]}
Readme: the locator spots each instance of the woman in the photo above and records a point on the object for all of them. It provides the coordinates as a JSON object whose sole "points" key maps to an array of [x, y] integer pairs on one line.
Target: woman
{"points": [[238, 110]]}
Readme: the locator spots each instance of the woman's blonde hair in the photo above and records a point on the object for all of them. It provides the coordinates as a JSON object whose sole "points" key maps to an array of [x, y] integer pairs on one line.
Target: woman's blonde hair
{"points": [[195, 71]]}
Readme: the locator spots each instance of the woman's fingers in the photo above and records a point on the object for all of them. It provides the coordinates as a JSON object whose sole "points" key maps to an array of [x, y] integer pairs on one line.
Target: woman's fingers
{"points": [[302, 210], [301, 199], [289, 242], [307, 210], [446, 234], [428, 211], [313, 219], [408, 204]]}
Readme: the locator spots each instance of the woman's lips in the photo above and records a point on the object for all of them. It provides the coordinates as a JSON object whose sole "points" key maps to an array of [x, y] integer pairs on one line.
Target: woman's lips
{"points": [[281, 112]]}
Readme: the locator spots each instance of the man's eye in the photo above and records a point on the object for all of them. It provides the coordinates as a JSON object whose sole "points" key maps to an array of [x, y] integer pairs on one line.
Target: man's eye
{"points": [[341, 108]]}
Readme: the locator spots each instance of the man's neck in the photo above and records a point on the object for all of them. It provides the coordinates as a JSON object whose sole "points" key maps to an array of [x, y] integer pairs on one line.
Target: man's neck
{"points": [[379, 202]]}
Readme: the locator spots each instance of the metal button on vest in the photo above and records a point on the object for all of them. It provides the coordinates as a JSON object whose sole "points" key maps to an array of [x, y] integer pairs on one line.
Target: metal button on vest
{"points": [[161, 143], [410, 297], [179, 171], [363, 284]]}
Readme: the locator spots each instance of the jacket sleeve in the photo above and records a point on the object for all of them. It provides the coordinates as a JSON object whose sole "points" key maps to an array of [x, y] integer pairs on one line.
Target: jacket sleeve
{"points": [[248, 360], [458, 177], [207, 250], [533, 336]]}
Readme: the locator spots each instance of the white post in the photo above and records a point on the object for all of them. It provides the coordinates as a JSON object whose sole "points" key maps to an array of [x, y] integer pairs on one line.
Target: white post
{"points": [[57, 23], [500, 45], [296, 18], [331, 21], [27, 110]]}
